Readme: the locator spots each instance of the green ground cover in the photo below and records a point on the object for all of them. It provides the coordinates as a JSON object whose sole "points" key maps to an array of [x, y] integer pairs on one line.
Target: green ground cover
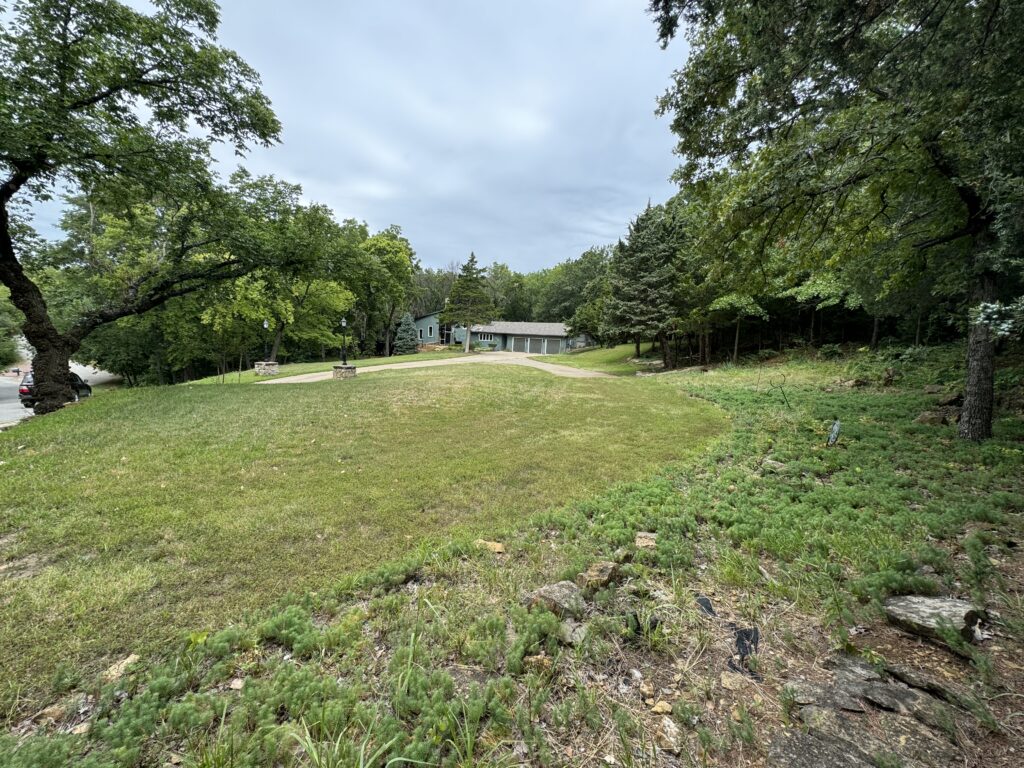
{"points": [[294, 369], [144, 513], [432, 657], [613, 360]]}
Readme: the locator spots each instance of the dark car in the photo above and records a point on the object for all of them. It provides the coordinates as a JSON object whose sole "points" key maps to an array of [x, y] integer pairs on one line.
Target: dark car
{"points": [[26, 391]]}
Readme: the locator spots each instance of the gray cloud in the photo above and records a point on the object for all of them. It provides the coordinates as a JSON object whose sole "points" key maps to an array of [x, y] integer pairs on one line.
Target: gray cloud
{"points": [[522, 131]]}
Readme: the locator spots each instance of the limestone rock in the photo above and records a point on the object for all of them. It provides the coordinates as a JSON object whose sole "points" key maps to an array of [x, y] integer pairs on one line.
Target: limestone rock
{"points": [[572, 633], [237, 684], [491, 546], [563, 599], [915, 744], [791, 748], [81, 729], [669, 736], [662, 708], [733, 681], [646, 540], [598, 575], [926, 615], [932, 418], [771, 465], [116, 671], [538, 663]]}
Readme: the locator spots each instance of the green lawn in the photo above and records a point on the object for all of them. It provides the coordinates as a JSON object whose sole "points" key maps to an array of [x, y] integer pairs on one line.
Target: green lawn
{"points": [[614, 360], [144, 513], [294, 369]]}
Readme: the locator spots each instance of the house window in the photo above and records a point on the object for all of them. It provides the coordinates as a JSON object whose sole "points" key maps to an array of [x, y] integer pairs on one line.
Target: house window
{"points": [[430, 331], [486, 337], [420, 332]]}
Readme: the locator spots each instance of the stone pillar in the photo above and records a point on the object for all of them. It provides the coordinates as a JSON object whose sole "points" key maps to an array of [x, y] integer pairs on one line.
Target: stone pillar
{"points": [[266, 368], [344, 371]]}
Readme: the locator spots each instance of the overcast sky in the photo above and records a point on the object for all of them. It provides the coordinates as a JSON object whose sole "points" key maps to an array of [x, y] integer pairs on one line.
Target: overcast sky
{"points": [[524, 131]]}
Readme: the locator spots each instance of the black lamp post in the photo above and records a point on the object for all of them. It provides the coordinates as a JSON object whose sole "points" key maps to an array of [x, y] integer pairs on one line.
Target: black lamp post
{"points": [[344, 342]]}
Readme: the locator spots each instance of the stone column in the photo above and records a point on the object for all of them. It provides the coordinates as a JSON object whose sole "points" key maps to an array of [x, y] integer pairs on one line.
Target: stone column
{"points": [[266, 368], [344, 371]]}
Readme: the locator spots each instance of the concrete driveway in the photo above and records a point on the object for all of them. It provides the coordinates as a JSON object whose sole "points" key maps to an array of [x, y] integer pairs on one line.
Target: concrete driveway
{"points": [[484, 358]]}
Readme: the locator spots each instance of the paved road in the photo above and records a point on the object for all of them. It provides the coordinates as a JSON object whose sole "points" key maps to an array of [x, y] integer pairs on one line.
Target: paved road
{"points": [[11, 409], [486, 358]]}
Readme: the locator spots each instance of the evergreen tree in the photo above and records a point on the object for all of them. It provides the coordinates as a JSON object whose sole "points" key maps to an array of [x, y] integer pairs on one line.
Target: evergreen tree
{"points": [[642, 280], [406, 339], [469, 303]]}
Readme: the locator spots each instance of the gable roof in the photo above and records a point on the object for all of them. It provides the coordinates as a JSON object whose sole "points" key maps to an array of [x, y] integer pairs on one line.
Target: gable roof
{"points": [[523, 329], [428, 314]]}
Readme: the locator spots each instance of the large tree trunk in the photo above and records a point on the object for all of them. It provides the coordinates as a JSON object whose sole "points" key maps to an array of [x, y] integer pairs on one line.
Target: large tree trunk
{"points": [[874, 335], [276, 346], [736, 343], [50, 366], [636, 344], [979, 390], [468, 336]]}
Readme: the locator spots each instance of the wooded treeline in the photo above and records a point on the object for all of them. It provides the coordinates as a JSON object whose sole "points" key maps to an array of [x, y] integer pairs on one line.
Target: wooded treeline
{"points": [[850, 172]]}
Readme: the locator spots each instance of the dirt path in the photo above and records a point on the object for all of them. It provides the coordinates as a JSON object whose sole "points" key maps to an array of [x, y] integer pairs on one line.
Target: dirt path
{"points": [[487, 358]]}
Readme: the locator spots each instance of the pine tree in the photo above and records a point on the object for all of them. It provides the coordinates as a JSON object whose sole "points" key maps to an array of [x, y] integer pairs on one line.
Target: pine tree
{"points": [[406, 339], [642, 278], [470, 302]]}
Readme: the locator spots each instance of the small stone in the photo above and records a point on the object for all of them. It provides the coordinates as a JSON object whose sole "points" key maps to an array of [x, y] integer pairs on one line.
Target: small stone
{"points": [[926, 616], [932, 418], [622, 555], [646, 540], [598, 575], [954, 399], [54, 712], [636, 675], [563, 599], [646, 690], [733, 681], [237, 684], [934, 389], [669, 736], [538, 663], [771, 465], [175, 759], [491, 546], [81, 729], [662, 708], [116, 671], [572, 633]]}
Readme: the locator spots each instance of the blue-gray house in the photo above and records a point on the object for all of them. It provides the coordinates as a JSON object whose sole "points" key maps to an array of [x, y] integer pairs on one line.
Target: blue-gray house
{"points": [[532, 338]]}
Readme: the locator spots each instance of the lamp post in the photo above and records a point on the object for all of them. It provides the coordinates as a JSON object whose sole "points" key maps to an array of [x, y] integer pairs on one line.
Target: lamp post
{"points": [[344, 342], [266, 351]]}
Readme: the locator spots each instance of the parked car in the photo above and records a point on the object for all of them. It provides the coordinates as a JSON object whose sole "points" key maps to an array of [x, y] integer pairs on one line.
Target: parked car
{"points": [[26, 391]]}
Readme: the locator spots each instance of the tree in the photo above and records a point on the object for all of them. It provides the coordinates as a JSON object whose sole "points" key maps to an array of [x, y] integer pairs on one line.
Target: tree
{"points": [[406, 339], [642, 282], [508, 293], [96, 94], [900, 117], [564, 285], [469, 303], [9, 323], [387, 280]]}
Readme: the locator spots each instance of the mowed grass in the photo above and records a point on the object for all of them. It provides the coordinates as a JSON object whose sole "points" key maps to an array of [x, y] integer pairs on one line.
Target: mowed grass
{"points": [[133, 517], [613, 360], [295, 369]]}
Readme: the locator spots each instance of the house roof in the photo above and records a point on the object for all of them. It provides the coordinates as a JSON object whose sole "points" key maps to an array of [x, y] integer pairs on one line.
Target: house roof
{"points": [[523, 329], [428, 314]]}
